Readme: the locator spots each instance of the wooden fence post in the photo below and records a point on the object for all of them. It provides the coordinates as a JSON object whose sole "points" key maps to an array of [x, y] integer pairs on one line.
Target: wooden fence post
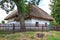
{"points": [[46, 26], [42, 28], [13, 28]]}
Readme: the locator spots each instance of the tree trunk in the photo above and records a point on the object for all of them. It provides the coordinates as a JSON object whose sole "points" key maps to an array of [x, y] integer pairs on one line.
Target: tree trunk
{"points": [[21, 18], [22, 24]]}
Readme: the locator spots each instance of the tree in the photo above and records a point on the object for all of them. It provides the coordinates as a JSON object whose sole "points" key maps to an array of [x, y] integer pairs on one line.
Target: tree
{"points": [[55, 8], [2, 22], [21, 6]]}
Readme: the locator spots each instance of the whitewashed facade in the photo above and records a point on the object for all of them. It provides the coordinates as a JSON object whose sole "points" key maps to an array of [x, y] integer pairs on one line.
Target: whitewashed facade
{"points": [[40, 21], [32, 21]]}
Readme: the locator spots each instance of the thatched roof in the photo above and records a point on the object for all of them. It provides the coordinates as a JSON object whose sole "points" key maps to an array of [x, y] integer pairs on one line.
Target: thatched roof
{"points": [[35, 12]]}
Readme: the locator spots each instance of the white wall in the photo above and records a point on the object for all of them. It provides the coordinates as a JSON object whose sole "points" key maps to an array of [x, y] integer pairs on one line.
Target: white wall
{"points": [[33, 21]]}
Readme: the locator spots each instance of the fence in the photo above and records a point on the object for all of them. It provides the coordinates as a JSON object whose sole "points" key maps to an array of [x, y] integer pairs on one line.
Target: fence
{"points": [[16, 27], [56, 27]]}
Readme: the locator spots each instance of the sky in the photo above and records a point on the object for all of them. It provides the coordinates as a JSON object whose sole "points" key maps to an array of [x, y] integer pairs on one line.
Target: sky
{"points": [[44, 4]]}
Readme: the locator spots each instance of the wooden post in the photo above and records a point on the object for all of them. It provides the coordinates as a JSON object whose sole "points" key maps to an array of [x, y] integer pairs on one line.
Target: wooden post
{"points": [[42, 28], [46, 26], [13, 28]]}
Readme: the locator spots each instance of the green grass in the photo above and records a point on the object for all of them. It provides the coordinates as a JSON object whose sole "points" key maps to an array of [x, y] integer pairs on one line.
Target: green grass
{"points": [[14, 36], [54, 37], [3, 34], [50, 37], [58, 33], [9, 35], [30, 34]]}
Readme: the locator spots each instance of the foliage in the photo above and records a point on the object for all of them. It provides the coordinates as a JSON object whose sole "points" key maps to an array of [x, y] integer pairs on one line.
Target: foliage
{"points": [[2, 22], [35, 2], [8, 5], [53, 23], [55, 8]]}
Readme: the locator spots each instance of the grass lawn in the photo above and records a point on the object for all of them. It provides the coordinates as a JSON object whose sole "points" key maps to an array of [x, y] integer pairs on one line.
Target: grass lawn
{"points": [[53, 35], [16, 36]]}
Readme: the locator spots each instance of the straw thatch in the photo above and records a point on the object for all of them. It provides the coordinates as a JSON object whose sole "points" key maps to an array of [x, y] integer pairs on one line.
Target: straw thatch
{"points": [[35, 12]]}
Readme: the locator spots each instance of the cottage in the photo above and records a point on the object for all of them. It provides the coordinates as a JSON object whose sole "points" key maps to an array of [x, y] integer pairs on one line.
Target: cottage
{"points": [[37, 16]]}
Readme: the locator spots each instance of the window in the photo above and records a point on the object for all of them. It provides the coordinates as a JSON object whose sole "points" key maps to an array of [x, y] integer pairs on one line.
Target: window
{"points": [[37, 24]]}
